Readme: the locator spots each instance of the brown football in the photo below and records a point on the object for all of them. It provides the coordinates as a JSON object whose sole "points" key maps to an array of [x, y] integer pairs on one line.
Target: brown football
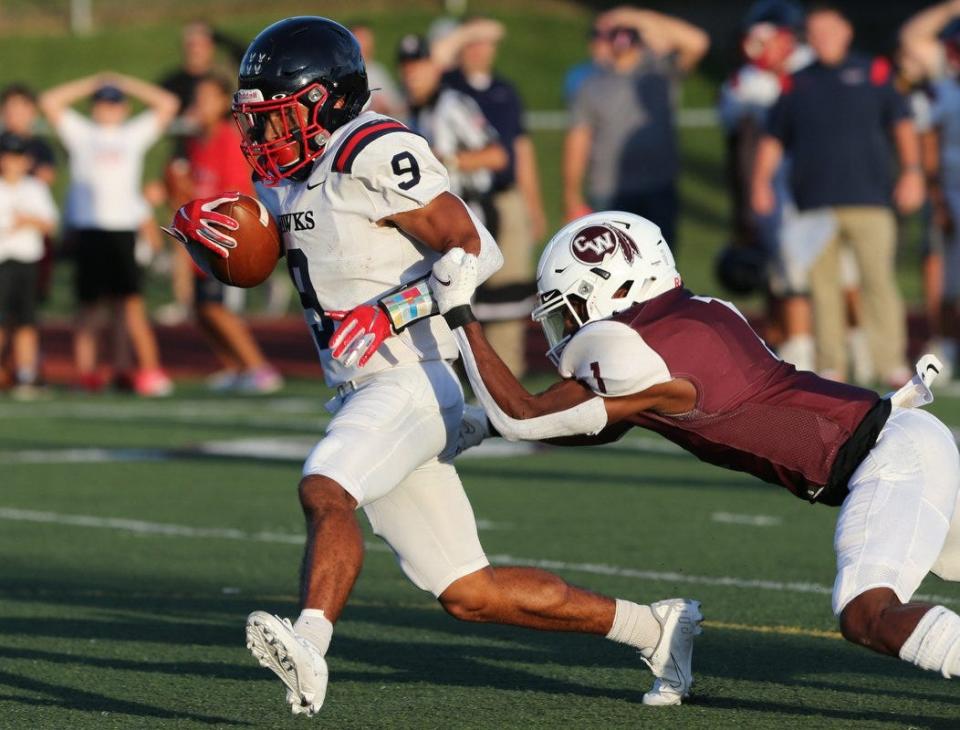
{"points": [[259, 245]]}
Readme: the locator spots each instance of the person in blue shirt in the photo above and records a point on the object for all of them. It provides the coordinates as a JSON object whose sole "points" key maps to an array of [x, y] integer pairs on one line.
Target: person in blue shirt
{"points": [[600, 55], [835, 118]]}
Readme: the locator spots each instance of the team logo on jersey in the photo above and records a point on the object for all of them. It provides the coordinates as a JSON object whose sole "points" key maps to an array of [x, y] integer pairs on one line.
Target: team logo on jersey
{"points": [[301, 220], [594, 244]]}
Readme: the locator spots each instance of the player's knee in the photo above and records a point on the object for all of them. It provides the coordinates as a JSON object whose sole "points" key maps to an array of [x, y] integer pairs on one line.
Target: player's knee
{"points": [[321, 496], [470, 598], [861, 618]]}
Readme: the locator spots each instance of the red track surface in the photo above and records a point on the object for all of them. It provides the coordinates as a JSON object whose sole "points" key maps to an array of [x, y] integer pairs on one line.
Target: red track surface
{"points": [[184, 352], [286, 343]]}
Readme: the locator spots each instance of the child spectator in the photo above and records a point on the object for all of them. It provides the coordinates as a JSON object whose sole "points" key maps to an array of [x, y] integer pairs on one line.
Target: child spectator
{"points": [[105, 208], [213, 163], [18, 114], [27, 214]]}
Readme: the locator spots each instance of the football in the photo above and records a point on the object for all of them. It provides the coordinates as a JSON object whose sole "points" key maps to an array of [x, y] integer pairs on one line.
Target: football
{"points": [[259, 246]]}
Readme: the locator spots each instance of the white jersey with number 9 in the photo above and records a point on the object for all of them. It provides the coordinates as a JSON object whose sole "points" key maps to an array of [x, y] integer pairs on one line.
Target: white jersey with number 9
{"points": [[338, 255]]}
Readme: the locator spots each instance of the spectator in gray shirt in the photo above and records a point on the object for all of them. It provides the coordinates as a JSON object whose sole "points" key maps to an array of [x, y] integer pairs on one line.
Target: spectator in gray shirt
{"points": [[622, 137]]}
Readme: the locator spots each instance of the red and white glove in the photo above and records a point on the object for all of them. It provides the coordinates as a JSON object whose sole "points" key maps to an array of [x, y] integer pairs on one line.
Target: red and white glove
{"points": [[361, 332], [196, 221]]}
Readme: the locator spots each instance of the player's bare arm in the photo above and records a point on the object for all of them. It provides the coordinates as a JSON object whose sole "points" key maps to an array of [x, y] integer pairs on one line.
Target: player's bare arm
{"points": [[677, 396], [441, 225]]}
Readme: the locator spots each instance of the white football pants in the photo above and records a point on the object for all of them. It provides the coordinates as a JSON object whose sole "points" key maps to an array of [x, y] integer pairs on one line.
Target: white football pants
{"points": [[894, 524], [389, 445]]}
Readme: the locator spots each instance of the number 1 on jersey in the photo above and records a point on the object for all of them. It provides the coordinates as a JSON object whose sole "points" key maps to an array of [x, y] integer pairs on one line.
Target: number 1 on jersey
{"points": [[321, 327], [595, 369]]}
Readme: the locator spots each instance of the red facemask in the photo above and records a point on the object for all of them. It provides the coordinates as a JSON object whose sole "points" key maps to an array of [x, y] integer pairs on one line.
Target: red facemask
{"points": [[281, 136]]}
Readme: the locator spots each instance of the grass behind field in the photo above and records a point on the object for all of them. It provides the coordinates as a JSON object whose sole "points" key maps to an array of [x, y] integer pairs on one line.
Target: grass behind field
{"points": [[125, 583]]}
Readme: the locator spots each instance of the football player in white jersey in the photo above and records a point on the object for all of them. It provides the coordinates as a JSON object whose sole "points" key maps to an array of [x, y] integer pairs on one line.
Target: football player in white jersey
{"points": [[365, 211]]}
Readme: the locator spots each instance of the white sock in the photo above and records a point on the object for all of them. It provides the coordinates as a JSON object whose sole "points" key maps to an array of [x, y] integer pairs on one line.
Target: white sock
{"points": [[315, 628], [935, 642], [636, 626]]}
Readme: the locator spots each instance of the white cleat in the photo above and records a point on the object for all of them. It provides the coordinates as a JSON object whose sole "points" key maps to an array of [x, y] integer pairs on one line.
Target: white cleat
{"points": [[302, 668], [672, 658]]}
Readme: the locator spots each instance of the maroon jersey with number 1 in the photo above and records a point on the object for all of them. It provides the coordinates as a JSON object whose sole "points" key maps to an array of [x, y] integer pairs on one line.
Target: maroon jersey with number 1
{"points": [[754, 412]]}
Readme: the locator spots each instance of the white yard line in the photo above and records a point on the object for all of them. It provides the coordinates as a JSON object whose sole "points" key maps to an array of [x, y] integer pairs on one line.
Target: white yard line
{"points": [[293, 448], [161, 409], [81, 456], [731, 518], [186, 531]]}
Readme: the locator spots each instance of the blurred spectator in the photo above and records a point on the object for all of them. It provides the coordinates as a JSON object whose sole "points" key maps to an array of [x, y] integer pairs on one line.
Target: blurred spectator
{"points": [[198, 49], [199, 42], [18, 114], [771, 50], [930, 66], [212, 164], [622, 136], [27, 214], [385, 97], [455, 127], [921, 38], [506, 299], [834, 119], [600, 58], [105, 208]]}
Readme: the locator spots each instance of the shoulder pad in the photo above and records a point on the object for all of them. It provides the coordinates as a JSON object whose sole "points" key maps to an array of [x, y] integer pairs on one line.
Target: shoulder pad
{"points": [[360, 138], [612, 359]]}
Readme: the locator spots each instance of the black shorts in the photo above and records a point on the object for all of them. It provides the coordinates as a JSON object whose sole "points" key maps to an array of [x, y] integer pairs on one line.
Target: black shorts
{"points": [[18, 293], [207, 289], [105, 264]]}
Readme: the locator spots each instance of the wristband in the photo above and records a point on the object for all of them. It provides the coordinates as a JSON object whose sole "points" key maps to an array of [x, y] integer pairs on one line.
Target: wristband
{"points": [[408, 304], [460, 316]]}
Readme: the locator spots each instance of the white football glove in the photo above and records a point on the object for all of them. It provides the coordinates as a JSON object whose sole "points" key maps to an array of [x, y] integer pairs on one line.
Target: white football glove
{"points": [[454, 279]]}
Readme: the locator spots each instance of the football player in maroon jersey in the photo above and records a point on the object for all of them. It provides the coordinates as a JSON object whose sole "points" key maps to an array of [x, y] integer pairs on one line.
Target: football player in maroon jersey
{"points": [[628, 339]]}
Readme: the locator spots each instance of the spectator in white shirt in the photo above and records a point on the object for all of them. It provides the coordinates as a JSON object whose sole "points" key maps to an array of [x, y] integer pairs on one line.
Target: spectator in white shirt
{"points": [[105, 208], [27, 214]]}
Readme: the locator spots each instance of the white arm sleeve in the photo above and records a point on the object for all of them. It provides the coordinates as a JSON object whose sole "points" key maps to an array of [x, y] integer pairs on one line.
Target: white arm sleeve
{"points": [[589, 417], [489, 260], [612, 359]]}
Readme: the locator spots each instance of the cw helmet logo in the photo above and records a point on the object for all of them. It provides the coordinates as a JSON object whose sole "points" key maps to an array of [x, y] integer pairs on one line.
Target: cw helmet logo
{"points": [[594, 244]]}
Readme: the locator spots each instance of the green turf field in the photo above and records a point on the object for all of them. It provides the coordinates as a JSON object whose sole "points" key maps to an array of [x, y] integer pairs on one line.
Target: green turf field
{"points": [[136, 536]]}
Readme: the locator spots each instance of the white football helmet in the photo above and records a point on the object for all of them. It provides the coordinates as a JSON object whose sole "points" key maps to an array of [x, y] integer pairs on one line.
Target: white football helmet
{"points": [[596, 266]]}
